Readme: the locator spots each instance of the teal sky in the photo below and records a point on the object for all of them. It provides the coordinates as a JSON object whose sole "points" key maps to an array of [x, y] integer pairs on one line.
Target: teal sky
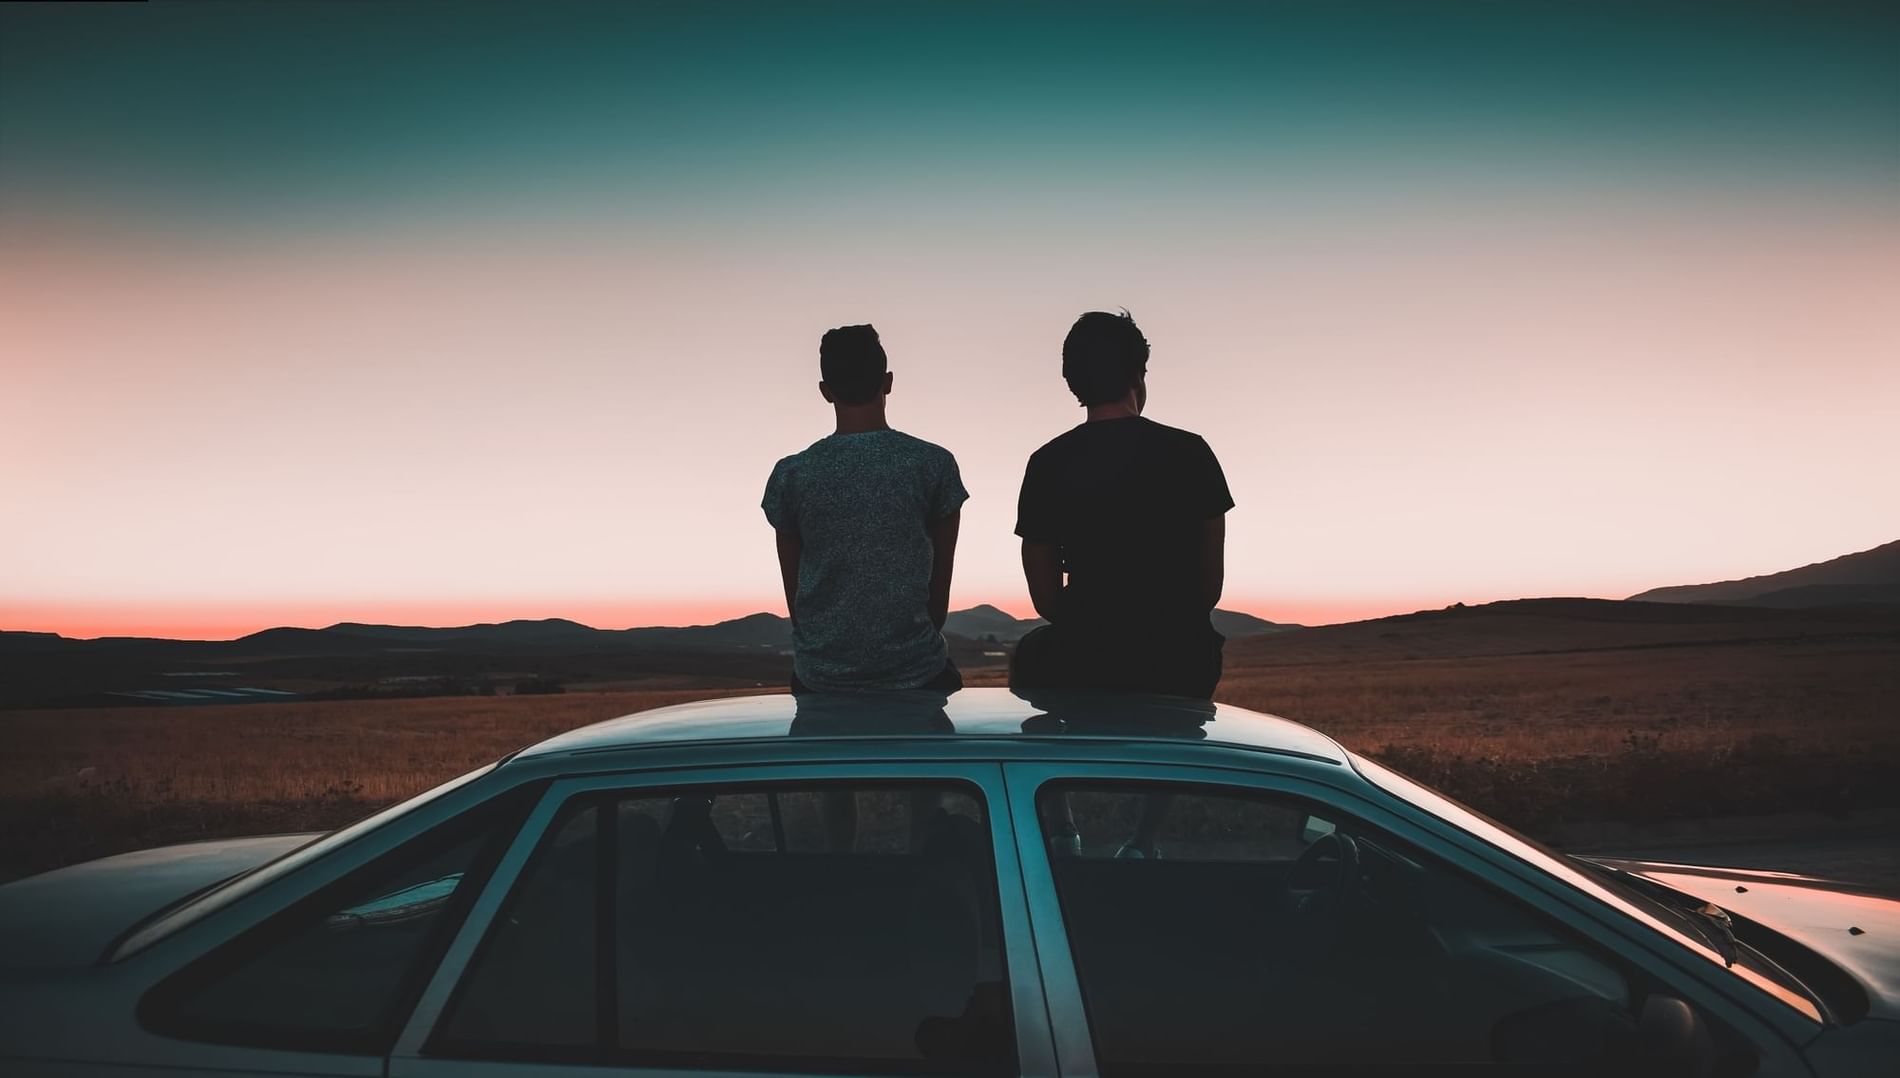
{"points": [[303, 107], [300, 304]]}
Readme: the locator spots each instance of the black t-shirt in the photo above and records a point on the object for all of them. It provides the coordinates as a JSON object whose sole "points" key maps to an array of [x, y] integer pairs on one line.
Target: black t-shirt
{"points": [[1126, 500]]}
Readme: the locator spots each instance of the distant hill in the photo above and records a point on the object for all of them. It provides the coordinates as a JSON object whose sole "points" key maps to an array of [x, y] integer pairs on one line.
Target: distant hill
{"points": [[1540, 626], [760, 630], [752, 631], [1235, 625], [1871, 576], [519, 631], [986, 622], [550, 634], [41, 669], [19, 643]]}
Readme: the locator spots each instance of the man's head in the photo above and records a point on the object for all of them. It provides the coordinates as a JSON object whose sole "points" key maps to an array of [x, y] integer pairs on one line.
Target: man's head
{"points": [[851, 361], [1104, 358]]}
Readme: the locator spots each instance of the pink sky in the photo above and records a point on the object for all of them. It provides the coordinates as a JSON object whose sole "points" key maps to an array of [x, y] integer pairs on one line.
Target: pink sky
{"points": [[450, 418]]}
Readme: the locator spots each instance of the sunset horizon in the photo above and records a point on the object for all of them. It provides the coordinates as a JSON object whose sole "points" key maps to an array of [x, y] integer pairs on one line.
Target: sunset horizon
{"points": [[402, 333], [233, 619], [1024, 538]]}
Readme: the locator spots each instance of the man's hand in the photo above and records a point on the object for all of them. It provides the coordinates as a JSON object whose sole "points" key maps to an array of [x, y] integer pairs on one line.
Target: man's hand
{"points": [[1042, 569], [789, 548], [943, 559]]}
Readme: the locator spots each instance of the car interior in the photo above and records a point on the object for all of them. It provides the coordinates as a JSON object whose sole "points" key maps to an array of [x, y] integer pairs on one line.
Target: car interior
{"points": [[745, 933], [1254, 934]]}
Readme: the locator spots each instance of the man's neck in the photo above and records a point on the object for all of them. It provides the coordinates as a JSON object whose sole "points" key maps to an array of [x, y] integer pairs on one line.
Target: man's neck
{"points": [[860, 418], [1115, 410]]}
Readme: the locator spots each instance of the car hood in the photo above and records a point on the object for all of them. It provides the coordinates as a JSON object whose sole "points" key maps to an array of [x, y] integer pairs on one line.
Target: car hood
{"points": [[66, 917], [1855, 928]]}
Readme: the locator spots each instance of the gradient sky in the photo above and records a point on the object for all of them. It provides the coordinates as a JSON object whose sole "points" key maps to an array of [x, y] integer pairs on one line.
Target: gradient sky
{"points": [[440, 314]]}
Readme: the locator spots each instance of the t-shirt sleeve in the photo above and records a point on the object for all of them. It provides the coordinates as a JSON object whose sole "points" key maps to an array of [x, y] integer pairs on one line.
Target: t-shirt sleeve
{"points": [[1036, 511], [1208, 492], [777, 503], [947, 494]]}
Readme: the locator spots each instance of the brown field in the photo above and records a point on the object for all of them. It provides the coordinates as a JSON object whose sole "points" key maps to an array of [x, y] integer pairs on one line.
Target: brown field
{"points": [[1550, 741]]}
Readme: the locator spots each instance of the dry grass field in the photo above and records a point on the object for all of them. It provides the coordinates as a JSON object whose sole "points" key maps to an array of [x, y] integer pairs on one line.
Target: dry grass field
{"points": [[77, 784], [1552, 740]]}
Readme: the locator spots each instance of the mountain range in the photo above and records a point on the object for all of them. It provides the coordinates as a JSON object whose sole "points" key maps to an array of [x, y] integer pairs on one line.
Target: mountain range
{"points": [[1829, 598], [1868, 577], [985, 622], [44, 669], [761, 630]]}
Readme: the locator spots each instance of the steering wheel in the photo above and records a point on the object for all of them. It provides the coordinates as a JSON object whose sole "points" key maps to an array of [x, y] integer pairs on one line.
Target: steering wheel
{"points": [[1325, 877]]}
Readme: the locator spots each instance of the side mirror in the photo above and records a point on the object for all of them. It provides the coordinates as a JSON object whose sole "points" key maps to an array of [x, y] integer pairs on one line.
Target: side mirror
{"points": [[1666, 1040], [1673, 1039], [1315, 829]]}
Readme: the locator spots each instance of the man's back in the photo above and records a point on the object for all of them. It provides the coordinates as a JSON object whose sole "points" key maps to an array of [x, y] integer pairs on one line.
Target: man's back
{"points": [[1126, 501], [862, 505]]}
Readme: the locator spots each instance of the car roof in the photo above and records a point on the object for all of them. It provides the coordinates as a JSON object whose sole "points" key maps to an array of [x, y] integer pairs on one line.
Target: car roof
{"points": [[983, 713]]}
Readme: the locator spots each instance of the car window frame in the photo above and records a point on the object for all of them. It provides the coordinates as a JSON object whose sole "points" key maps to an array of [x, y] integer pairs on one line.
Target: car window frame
{"points": [[1628, 941], [1555, 866], [1034, 1043], [168, 921], [505, 811]]}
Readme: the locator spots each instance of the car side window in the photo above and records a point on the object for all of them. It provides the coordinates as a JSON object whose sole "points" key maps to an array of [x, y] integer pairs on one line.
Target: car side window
{"points": [[828, 927], [339, 971], [1217, 927]]}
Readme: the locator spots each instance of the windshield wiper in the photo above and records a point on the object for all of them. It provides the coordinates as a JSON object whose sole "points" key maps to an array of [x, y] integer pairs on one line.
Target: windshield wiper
{"points": [[1717, 918], [1710, 921]]}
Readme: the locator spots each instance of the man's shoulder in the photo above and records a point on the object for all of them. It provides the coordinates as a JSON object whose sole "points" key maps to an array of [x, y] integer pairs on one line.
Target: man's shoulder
{"points": [[815, 451], [1079, 438], [914, 445], [1174, 435], [1061, 443], [790, 462]]}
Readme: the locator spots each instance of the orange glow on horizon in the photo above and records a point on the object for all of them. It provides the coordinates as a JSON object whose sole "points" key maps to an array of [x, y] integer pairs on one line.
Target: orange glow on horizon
{"points": [[231, 619]]}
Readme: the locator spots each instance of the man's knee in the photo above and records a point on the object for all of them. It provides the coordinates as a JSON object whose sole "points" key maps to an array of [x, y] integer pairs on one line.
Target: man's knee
{"points": [[1035, 662]]}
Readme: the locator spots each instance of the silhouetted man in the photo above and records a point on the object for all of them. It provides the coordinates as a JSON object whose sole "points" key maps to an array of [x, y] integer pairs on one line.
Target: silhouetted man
{"points": [[1133, 513], [867, 535]]}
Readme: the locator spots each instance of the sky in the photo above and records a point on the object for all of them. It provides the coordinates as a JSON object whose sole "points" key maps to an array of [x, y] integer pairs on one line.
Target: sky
{"points": [[435, 315]]}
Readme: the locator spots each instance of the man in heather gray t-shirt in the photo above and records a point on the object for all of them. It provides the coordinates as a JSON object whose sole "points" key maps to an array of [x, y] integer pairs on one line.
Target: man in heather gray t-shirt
{"points": [[867, 525]]}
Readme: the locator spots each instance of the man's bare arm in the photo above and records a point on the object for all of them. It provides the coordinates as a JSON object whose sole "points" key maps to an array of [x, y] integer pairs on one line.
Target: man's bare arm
{"points": [[943, 559], [1042, 569], [789, 548], [1213, 560]]}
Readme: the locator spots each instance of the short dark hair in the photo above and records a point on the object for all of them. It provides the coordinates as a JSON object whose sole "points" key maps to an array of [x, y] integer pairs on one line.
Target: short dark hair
{"points": [[1103, 357], [852, 363]]}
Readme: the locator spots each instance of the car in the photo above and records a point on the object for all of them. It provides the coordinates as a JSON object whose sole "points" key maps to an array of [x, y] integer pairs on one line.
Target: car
{"points": [[913, 883]]}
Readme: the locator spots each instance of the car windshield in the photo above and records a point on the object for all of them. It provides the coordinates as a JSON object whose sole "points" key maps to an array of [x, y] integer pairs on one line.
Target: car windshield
{"points": [[1601, 886], [170, 919]]}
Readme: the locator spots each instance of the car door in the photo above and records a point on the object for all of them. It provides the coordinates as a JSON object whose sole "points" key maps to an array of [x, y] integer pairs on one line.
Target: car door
{"points": [[811, 918], [1213, 921]]}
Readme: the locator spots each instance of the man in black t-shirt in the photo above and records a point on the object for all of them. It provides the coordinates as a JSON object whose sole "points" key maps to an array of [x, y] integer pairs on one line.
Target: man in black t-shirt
{"points": [[1133, 513]]}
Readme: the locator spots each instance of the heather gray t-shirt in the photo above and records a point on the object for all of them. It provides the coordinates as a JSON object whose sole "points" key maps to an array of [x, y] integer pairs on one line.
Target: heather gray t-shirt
{"points": [[862, 505]]}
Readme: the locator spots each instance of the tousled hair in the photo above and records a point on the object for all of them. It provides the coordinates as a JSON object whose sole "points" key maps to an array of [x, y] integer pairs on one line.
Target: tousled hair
{"points": [[851, 360], [1103, 357]]}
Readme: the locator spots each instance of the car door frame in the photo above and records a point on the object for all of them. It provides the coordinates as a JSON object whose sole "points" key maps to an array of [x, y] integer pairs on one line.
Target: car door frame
{"points": [[1035, 1052], [121, 985], [1487, 865]]}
